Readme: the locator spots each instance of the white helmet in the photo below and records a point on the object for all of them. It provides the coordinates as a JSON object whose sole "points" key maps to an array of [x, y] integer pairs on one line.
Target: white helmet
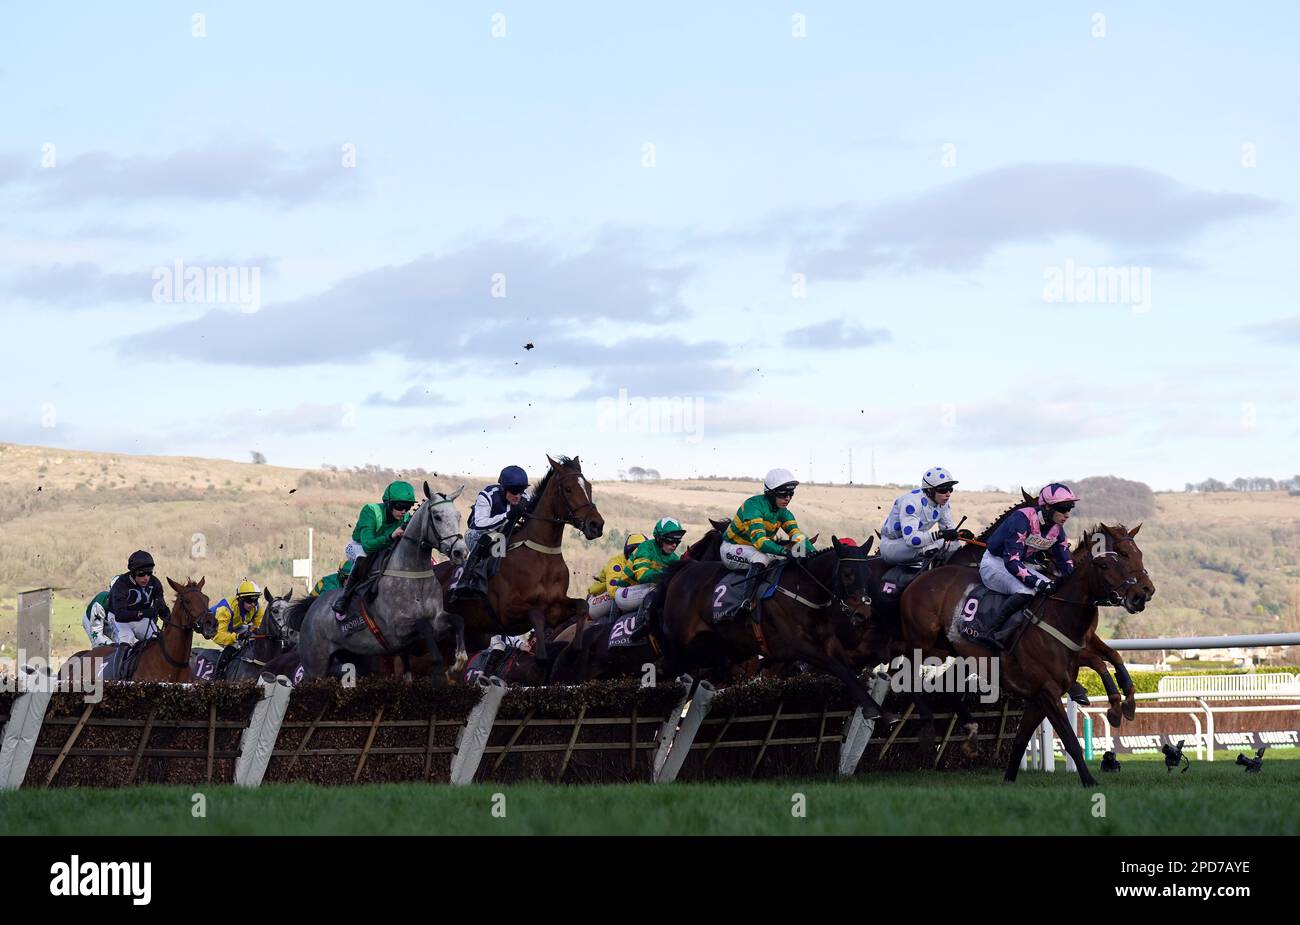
{"points": [[775, 478], [937, 476]]}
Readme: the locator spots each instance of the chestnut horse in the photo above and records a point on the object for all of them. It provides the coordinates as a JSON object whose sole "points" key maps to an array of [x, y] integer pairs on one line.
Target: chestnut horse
{"points": [[1107, 569], [165, 657], [799, 621], [530, 590]]}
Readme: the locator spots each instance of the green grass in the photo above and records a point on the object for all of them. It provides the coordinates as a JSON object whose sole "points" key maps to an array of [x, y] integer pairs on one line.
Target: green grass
{"points": [[1214, 798]]}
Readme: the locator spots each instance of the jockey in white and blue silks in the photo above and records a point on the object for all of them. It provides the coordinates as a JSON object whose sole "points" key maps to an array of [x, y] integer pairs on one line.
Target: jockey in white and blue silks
{"points": [[496, 510], [920, 522], [1026, 536]]}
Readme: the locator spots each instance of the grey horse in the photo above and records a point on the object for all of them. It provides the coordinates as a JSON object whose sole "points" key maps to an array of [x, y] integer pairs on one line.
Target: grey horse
{"points": [[273, 639], [408, 599]]}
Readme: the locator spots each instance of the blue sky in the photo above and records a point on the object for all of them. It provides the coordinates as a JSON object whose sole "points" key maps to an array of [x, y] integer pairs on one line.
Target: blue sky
{"points": [[923, 169]]}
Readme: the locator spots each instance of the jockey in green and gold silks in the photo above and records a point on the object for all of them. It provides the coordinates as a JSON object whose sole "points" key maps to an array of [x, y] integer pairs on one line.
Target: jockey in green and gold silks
{"points": [[648, 562], [750, 538], [333, 580]]}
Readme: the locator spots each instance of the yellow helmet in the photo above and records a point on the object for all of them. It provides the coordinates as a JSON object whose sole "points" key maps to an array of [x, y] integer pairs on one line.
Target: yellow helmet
{"points": [[633, 541], [248, 588]]}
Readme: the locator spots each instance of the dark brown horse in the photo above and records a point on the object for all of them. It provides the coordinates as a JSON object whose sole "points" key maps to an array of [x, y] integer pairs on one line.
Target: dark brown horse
{"points": [[165, 657], [1108, 569], [798, 622], [1096, 651], [531, 587]]}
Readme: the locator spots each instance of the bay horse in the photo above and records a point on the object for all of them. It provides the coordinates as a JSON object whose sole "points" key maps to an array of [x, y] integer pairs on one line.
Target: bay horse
{"points": [[798, 622], [166, 656], [530, 589], [1096, 651], [1107, 570]]}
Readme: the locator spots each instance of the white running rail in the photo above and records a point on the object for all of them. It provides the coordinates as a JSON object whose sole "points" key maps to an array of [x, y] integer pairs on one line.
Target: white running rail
{"points": [[1230, 685]]}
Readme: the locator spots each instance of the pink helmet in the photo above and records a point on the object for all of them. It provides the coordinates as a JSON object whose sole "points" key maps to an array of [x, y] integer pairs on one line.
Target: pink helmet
{"points": [[1055, 493]]}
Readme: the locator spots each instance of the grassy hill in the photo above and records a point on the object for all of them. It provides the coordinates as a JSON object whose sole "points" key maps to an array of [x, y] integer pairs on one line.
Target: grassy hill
{"points": [[1223, 562]]}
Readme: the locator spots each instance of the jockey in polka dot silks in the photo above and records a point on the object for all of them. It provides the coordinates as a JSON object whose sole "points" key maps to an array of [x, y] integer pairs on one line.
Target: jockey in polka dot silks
{"points": [[920, 523]]}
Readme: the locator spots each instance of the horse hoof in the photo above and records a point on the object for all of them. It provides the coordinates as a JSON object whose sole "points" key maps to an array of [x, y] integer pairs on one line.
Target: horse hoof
{"points": [[1115, 716], [1130, 709]]}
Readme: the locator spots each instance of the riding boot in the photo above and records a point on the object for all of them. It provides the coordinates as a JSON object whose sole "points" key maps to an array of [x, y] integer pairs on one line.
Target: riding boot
{"points": [[641, 624], [1007, 625], [749, 587], [223, 660], [358, 574], [473, 575]]}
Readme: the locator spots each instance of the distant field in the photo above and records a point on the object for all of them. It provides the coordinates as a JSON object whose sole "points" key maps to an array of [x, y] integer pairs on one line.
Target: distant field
{"points": [[1211, 799], [1227, 562]]}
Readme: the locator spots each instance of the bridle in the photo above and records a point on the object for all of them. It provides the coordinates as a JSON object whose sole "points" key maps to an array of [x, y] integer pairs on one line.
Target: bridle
{"points": [[1115, 596], [442, 543], [195, 624], [835, 597], [572, 517]]}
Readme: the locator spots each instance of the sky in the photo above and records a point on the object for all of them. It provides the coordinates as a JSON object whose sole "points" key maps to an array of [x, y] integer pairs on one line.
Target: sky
{"points": [[708, 241]]}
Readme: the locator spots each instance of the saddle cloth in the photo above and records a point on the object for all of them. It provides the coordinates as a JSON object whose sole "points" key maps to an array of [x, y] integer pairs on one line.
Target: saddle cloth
{"points": [[975, 618], [733, 588], [894, 581]]}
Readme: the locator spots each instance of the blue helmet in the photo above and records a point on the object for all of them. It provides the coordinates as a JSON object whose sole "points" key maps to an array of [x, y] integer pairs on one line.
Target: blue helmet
{"points": [[514, 478]]}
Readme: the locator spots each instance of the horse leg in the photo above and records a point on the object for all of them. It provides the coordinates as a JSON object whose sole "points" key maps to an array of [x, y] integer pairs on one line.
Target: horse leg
{"points": [[429, 634], [1090, 659], [537, 617], [580, 621], [861, 696], [1061, 723], [1029, 722], [457, 624], [1096, 644]]}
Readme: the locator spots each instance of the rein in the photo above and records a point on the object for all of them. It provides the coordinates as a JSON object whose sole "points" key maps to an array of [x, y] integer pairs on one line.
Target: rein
{"points": [[162, 646], [834, 597]]}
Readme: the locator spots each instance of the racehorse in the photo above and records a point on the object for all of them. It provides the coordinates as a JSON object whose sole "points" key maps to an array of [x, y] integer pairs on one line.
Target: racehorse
{"points": [[797, 623], [408, 600], [256, 651], [166, 656], [1107, 569], [1096, 651], [530, 589]]}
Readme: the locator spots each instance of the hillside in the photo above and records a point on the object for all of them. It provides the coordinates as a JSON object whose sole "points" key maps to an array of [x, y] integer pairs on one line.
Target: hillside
{"points": [[1224, 562]]}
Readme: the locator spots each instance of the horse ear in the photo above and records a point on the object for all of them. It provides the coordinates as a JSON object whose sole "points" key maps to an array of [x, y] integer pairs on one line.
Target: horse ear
{"points": [[266, 592], [455, 494], [577, 463], [289, 596], [1134, 531], [428, 494], [175, 586], [835, 542], [201, 580], [866, 547]]}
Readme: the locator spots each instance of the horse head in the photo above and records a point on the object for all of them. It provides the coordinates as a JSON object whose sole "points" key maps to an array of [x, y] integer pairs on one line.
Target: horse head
{"points": [[574, 492], [439, 526], [853, 576], [192, 607], [277, 610], [1120, 578]]}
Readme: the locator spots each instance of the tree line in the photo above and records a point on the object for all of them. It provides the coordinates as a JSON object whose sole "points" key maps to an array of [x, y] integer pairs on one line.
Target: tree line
{"points": [[1255, 483]]}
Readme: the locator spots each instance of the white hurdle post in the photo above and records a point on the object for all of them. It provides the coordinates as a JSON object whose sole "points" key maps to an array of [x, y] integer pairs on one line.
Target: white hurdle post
{"points": [[24, 726], [473, 737]]}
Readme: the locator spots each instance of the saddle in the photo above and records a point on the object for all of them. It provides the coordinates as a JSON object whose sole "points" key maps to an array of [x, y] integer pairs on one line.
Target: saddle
{"points": [[733, 590], [976, 619], [888, 588], [121, 664]]}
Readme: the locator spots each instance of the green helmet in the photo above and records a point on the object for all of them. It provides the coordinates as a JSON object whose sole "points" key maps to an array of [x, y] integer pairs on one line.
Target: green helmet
{"points": [[400, 491], [667, 526]]}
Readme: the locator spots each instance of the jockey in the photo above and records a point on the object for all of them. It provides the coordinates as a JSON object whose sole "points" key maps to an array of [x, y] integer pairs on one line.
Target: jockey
{"points": [[496, 510], [334, 579], [908, 533], [98, 622], [135, 600], [237, 621], [616, 574], [378, 526], [1025, 538], [750, 537], [648, 561]]}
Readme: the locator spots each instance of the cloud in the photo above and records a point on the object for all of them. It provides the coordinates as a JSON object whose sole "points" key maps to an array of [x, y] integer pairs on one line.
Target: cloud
{"points": [[252, 170], [478, 305], [414, 397], [960, 224], [1282, 332], [835, 334]]}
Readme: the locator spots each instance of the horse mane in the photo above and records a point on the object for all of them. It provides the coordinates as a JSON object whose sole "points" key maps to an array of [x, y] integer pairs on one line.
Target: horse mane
{"points": [[988, 531], [565, 462], [297, 609]]}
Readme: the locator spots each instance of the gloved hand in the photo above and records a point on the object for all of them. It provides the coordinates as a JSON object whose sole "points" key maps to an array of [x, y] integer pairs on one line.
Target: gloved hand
{"points": [[1043, 585], [244, 631], [517, 510], [964, 534], [948, 535]]}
